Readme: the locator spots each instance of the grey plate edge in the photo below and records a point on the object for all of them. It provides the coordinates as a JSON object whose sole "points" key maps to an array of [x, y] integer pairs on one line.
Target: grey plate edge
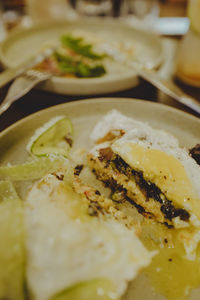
{"points": [[99, 100]]}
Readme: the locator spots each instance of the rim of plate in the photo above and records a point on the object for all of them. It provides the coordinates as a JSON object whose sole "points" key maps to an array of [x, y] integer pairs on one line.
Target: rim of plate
{"points": [[16, 33], [165, 107], [89, 86]]}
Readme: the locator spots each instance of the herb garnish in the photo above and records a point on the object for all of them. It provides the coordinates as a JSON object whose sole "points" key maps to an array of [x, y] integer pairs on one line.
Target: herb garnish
{"points": [[69, 65], [79, 47], [74, 57]]}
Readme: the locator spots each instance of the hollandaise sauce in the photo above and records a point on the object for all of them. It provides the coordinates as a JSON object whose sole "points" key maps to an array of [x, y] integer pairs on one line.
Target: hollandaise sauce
{"points": [[172, 272]]}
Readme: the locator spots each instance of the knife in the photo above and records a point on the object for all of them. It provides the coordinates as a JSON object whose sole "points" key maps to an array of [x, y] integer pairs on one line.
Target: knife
{"points": [[168, 87], [11, 73]]}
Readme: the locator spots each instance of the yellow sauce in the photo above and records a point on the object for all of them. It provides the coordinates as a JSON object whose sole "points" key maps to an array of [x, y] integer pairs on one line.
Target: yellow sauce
{"points": [[97, 289], [170, 272]]}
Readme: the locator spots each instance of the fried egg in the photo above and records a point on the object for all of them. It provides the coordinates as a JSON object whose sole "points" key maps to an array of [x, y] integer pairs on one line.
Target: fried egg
{"points": [[155, 174]]}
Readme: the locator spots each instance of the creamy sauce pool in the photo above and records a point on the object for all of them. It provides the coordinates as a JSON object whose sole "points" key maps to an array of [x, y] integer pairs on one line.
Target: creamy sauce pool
{"points": [[170, 273]]}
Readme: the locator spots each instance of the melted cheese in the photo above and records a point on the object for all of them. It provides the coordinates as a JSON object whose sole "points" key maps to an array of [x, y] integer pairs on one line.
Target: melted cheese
{"points": [[165, 171]]}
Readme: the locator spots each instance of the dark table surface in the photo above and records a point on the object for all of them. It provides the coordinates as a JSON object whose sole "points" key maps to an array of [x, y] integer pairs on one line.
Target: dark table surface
{"points": [[38, 99]]}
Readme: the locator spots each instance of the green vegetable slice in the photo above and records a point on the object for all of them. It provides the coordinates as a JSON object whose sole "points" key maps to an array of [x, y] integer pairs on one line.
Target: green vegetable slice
{"points": [[99, 289], [12, 255], [67, 65], [34, 169], [53, 138]]}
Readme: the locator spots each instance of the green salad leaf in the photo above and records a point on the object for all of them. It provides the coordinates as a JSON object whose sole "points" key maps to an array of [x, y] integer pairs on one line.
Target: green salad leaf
{"points": [[78, 46], [77, 67]]}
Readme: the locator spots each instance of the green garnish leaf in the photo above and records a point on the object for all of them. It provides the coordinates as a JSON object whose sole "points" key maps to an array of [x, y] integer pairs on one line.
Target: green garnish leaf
{"points": [[97, 71], [78, 67], [78, 46]]}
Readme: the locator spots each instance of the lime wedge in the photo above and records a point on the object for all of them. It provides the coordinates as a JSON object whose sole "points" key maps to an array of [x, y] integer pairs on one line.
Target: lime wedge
{"points": [[53, 138], [32, 170], [194, 15]]}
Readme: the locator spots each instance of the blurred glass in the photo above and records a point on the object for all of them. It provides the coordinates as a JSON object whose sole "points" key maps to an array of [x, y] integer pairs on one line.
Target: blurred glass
{"points": [[188, 59], [120, 8], [94, 7], [2, 27], [12, 13], [144, 8], [114, 8], [48, 10], [188, 55]]}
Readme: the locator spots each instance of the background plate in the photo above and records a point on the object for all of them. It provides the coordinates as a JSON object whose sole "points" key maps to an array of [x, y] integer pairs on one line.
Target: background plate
{"points": [[21, 45], [84, 114]]}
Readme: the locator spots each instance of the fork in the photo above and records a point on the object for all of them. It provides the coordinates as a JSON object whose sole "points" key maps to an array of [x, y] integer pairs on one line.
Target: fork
{"points": [[21, 86]]}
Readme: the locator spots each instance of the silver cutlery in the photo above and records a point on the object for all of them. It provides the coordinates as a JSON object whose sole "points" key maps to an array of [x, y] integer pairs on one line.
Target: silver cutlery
{"points": [[146, 72], [21, 86], [168, 88], [11, 73]]}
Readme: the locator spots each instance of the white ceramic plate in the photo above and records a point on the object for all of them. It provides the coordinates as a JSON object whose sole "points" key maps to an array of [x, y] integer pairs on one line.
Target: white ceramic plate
{"points": [[84, 114], [21, 45]]}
